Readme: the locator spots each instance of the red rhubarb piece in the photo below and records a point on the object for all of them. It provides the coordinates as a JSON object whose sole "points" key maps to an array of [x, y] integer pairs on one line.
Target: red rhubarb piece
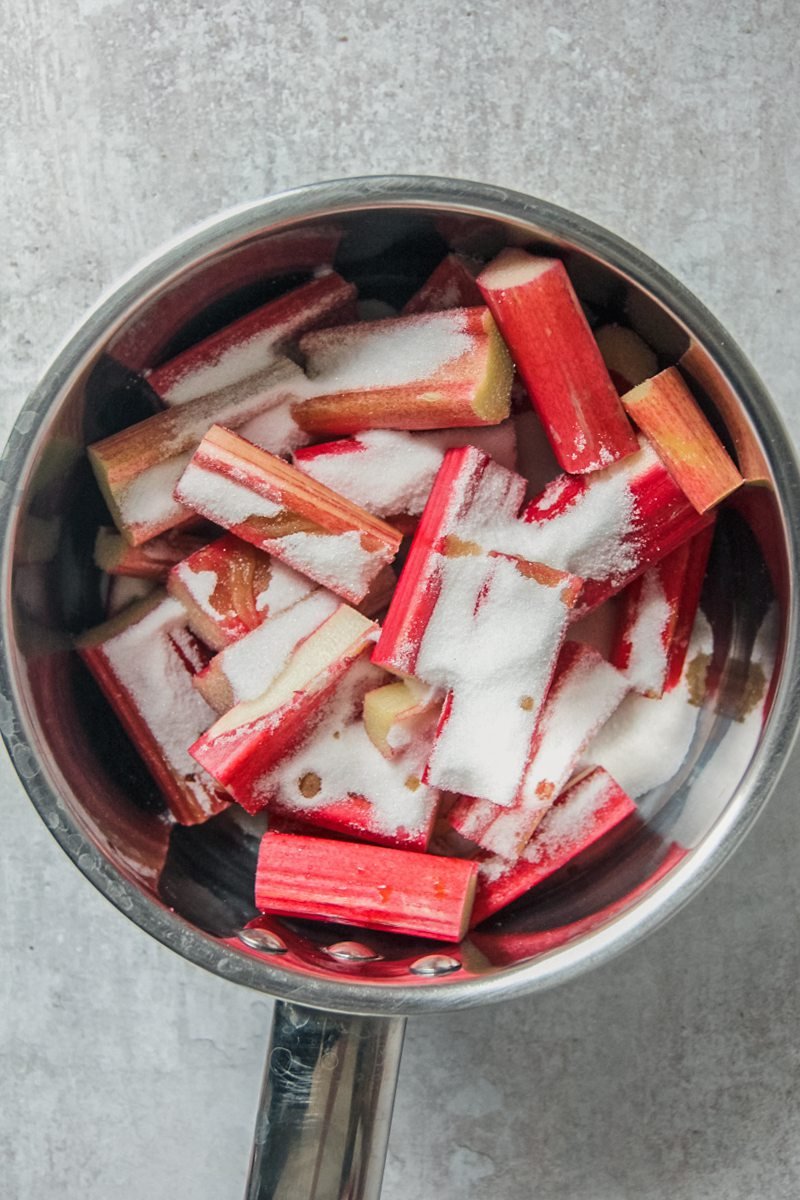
{"points": [[451, 285], [496, 683], [151, 560], [142, 342], [229, 587], [374, 887], [427, 371], [250, 344], [469, 489], [337, 779], [390, 472], [583, 813], [668, 414], [542, 322], [585, 692], [144, 661], [254, 735], [138, 468], [272, 505], [656, 616]]}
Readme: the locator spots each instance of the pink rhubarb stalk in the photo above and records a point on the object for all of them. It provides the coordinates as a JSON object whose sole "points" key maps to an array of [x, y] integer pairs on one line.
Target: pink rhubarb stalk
{"points": [[272, 505], [144, 661], [250, 344], [370, 886], [427, 371], [542, 322], [583, 813], [451, 285]]}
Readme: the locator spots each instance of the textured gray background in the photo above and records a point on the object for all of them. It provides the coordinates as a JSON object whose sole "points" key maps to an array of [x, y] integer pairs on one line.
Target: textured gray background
{"points": [[672, 1072]]}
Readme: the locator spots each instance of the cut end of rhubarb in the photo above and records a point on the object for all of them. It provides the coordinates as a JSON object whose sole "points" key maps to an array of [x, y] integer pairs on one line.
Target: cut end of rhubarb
{"points": [[669, 416]]}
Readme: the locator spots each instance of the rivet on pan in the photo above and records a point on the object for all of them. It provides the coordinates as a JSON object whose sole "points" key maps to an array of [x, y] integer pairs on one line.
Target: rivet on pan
{"points": [[263, 940], [435, 964], [352, 952]]}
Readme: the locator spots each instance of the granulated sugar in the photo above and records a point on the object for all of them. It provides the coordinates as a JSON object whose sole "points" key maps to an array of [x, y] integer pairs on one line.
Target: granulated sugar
{"points": [[148, 499], [220, 498], [284, 588], [252, 663], [646, 669], [201, 586], [383, 354], [390, 472], [275, 430], [337, 560], [645, 742], [151, 668], [497, 683], [346, 764]]}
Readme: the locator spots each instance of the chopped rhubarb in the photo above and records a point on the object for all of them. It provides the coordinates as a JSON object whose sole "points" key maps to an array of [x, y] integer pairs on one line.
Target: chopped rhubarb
{"points": [[144, 661], [138, 468], [272, 505], [427, 371], [144, 340], [337, 779], [627, 356], [605, 528], [248, 667], [583, 813], [451, 285], [250, 344], [229, 587], [151, 560], [542, 322], [251, 737], [585, 692], [668, 414], [371, 886], [497, 686], [469, 489], [656, 616], [391, 472]]}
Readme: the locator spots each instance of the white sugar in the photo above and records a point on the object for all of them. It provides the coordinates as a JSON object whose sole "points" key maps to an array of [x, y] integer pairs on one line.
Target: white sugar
{"points": [[275, 430], [390, 472], [337, 560], [593, 536], [201, 586], [645, 742], [148, 500], [147, 663], [252, 663], [386, 353], [232, 365], [647, 665], [347, 765], [498, 682], [222, 499], [284, 588], [569, 823]]}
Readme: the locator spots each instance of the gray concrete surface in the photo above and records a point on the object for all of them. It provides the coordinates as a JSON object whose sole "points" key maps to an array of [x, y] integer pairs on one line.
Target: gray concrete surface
{"points": [[672, 1073]]}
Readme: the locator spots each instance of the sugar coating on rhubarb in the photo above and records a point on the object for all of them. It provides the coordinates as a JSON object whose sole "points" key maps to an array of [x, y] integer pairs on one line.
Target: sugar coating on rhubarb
{"points": [[149, 660], [338, 765], [497, 683], [275, 430], [571, 825], [220, 498], [645, 742], [585, 693], [339, 561], [251, 664], [389, 472], [648, 636], [382, 354], [147, 500]]}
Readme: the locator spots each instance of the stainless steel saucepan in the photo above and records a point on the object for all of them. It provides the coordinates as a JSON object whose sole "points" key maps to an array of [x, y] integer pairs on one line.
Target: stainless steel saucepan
{"points": [[343, 994]]}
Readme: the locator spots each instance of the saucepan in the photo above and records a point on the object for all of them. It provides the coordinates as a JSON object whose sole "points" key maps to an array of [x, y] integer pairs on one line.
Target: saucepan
{"points": [[343, 994]]}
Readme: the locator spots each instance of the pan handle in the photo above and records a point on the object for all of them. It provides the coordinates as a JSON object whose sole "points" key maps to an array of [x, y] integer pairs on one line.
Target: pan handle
{"points": [[326, 1106]]}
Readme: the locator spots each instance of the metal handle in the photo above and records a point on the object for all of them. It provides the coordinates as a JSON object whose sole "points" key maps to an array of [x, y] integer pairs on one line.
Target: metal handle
{"points": [[326, 1106]]}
